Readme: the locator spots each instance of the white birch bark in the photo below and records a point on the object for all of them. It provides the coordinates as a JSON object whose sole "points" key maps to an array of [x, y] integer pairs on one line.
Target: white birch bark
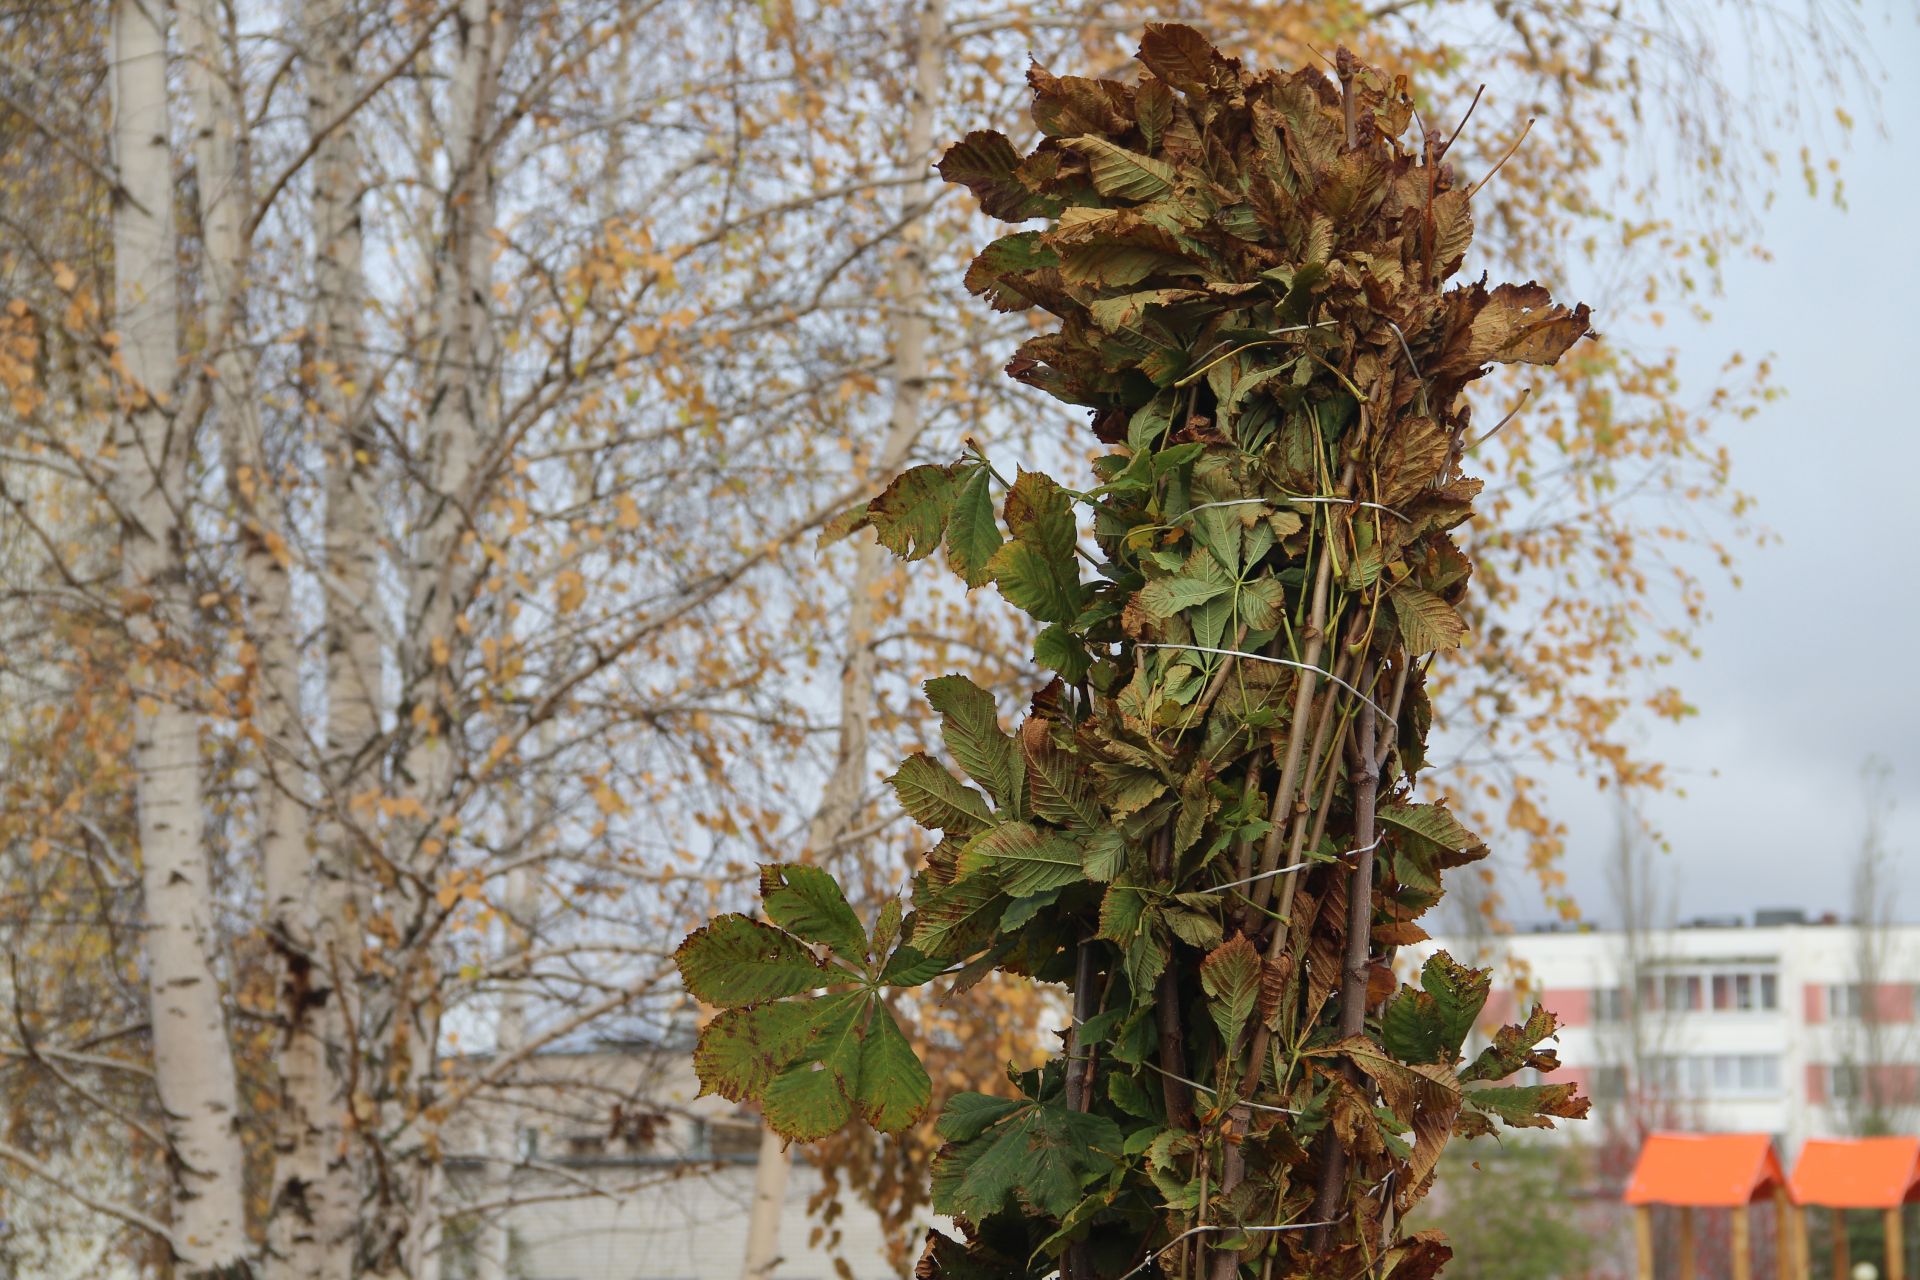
{"points": [[840, 798], [461, 407], [193, 1065], [312, 1223], [769, 1205], [460, 400], [495, 1243], [310, 1212], [223, 192]]}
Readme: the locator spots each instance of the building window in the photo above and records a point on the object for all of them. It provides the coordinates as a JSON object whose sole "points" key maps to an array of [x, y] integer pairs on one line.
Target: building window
{"points": [[1844, 1000], [1843, 1082], [1609, 1005], [1759, 1073], [1746, 992], [732, 1141], [1609, 1084], [1681, 992], [1718, 1075]]}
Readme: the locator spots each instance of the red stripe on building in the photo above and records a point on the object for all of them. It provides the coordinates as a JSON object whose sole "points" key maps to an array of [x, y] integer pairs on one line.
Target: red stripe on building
{"points": [[1572, 1005]]}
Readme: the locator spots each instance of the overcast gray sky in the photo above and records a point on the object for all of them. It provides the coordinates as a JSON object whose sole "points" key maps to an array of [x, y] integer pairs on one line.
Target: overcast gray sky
{"points": [[1808, 669]]}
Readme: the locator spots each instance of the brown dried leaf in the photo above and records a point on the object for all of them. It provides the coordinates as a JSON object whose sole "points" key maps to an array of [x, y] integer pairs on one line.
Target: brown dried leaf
{"points": [[1515, 324], [1452, 232], [1184, 58]]}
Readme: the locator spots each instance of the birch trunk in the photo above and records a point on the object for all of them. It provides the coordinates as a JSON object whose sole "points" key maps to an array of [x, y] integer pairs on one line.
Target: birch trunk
{"points": [[461, 407], [223, 191], [495, 1244], [840, 798], [193, 1066], [310, 1209], [313, 1215]]}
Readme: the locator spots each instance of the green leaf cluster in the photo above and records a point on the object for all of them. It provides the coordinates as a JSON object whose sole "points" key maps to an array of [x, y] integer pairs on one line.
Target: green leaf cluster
{"points": [[803, 1026], [1251, 274]]}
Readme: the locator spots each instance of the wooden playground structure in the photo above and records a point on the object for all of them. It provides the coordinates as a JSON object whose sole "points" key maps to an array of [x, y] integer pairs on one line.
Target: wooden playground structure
{"points": [[1684, 1173]]}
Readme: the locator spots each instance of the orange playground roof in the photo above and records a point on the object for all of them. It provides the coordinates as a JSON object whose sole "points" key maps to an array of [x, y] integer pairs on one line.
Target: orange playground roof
{"points": [[1858, 1173], [1707, 1170]]}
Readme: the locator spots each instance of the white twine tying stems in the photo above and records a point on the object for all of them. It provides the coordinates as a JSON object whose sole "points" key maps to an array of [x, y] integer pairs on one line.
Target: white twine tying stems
{"points": [[1279, 662], [1209, 1089], [1287, 871], [1195, 1084], [1211, 359], [1164, 1249], [1274, 502]]}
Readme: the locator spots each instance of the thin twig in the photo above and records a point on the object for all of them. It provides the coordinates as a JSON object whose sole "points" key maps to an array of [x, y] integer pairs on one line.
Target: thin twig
{"points": [[1345, 66], [1390, 737], [1474, 190], [1220, 678], [1495, 428], [1447, 146]]}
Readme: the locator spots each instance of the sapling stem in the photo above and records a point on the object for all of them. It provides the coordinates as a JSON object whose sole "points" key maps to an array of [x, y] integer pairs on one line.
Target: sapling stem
{"points": [[1296, 737], [1174, 1090], [1298, 844], [1365, 780]]}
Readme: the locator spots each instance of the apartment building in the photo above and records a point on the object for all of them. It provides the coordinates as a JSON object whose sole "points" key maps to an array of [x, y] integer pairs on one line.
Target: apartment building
{"points": [[607, 1164], [1784, 1025], [1781, 1026]]}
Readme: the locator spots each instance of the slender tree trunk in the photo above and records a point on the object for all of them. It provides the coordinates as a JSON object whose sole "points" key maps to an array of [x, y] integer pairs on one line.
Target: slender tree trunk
{"points": [[223, 196], [321, 1183], [461, 410], [769, 1202], [840, 799], [495, 1242], [1365, 780], [193, 1065], [314, 1218], [313, 1194]]}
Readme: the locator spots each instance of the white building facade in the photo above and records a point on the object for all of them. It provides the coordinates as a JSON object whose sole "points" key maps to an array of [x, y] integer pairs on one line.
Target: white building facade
{"points": [[1788, 1028], [616, 1168], [1784, 1027]]}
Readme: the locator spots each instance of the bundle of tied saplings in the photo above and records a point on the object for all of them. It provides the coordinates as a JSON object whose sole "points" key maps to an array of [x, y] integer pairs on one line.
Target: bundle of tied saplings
{"points": [[1204, 828]]}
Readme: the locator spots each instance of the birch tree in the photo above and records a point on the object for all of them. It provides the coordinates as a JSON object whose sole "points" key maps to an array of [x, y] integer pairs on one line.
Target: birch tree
{"points": [[153, 447], [520, 352]]}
